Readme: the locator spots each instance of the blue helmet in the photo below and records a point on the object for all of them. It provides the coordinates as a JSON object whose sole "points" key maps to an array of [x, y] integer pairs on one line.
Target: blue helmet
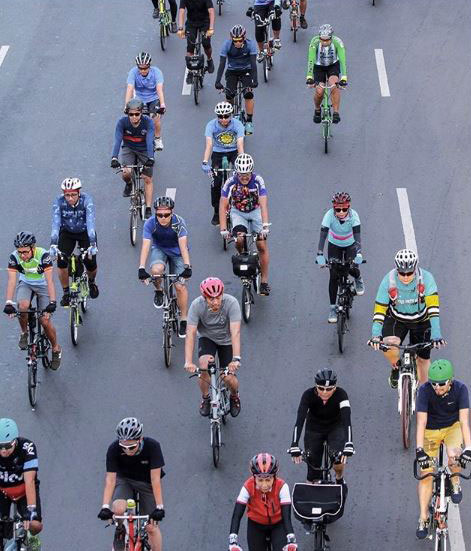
{"points": [[8, 430]]}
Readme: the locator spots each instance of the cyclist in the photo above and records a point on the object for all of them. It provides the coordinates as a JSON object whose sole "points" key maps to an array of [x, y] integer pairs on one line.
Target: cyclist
{"points": [[246, 196], [173, 12], [167, 235], [302, 11], [268, 504], [326, 410], [216, 317], [263, 9], [240, 53], [407, 302], [135, 132], [35, 267], [146, 82], [199, 16], [73, 221], [442, 416], [224, 138], [341, 227], [134, 463], [19, 479], [326, 62]]}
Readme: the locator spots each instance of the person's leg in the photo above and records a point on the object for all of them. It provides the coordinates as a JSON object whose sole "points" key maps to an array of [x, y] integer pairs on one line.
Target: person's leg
{"points": [[225, 357], [246, 79], [207, 351], [262, 12], [432, 439], [191, 38], [276, 26], [420, 332], [314, 444], [177, 266], [216, 161], [394, 332], [146, 507], [336, 443], [333, 253], [334, 93], [278, 537], [173, 12], [45, 320], [23, 299], [256, 538], [158, 261], [66, 245], [453, 441], [35, 526]]}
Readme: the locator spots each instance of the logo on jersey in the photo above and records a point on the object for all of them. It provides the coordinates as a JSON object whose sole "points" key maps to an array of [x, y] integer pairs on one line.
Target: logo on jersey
{"points": [[29, 448], [226, 138]]}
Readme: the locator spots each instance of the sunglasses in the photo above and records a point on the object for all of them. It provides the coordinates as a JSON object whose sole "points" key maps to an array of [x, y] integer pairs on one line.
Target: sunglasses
{"points": [[325, 39], [405, 274], [24, 252], [224, 116], [134, 114], [7, 445], [75, 194], [436, 385], [338, 209], [164, 214], [144, 68], [237, 40], [325, 388], [129, 447]]}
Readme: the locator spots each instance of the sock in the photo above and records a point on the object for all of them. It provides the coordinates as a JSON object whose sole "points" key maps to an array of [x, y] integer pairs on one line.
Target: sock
{"points": [[249, 118], [66, 290]]}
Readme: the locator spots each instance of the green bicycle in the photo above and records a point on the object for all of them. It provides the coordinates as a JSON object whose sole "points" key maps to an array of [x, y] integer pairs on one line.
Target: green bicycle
{"points": [[327, 112], [165, 21]]}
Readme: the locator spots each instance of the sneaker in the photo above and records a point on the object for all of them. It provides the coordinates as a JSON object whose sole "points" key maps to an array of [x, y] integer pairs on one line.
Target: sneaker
{"points": [[182, 329], [215, 219], [65, 300], [277, 44], [260, 57], [127, 189], [158, 144], [119, 538], [394, 378], [264, 289], [332, 314], [248, 128], [155, 13], [422, 529], [285, 4], [23, 342], [336, 117], [210, 66], [56, 360], [359, 286], [456, 494], [235, 405], [158, 298], [173, 27], [148, 213], [317, 116], [302, 22], [34, 543], [94, 292], [205, 406]]}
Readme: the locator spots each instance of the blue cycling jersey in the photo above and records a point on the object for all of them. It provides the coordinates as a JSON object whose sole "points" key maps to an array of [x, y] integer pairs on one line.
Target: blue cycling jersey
{"points": [[165, 238], [146, 86], [74, 219], [341, 231], [139, 138], [224, 137], [238, 59]]}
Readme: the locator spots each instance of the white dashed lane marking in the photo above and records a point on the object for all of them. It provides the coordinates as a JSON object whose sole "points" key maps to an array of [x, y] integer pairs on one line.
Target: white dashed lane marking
{"points": [[382, 75], [3, 53]]}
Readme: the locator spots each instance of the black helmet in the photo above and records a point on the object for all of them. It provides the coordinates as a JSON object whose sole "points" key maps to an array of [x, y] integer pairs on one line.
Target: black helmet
{"points": [[143, 59], [167, 202], [326, 377], [24, 239], [238, 31], [134, 104]]}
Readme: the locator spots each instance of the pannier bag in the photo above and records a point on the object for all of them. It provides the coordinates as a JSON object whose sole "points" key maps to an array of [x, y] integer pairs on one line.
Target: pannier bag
{"points": [[245, 265], [195, 62], [319, 502]]}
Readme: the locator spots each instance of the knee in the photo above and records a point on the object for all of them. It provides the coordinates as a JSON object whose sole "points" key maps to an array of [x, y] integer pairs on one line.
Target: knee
{"points": [[152, 529], [248, 95], [180, 288], [119, 507], [157, 269], [36, 526], [23, 305], [392, 340]]}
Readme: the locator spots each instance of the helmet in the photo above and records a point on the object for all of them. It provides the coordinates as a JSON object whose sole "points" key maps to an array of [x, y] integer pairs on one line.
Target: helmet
{"points": [[167, 202], [326, 31], [264, 464], [341, 198], [243, 163], [129, 428], [406, 260], [212, 287], [8, 430], [223, 108], [238, 31], [24, 239], [326, 377], [440, 371], [71, 184], [143, 59], [134, 104]]}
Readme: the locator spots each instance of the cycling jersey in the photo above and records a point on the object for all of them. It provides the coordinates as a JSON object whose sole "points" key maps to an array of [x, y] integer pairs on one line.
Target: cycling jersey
{"points": [[266, 2], [32, 271], [165, 238], [238, 59], [74, 219], [140, 138], [138, 466], [146, 86], [244, 198], [442, 411], [12, 468], [215, 325], [409, 306], [340, 231], [224, 137], [197, 10], [264, 508], [326, 55]]}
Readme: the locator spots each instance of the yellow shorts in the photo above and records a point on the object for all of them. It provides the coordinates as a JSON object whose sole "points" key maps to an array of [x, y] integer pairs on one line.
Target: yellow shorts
{"points": [[452, 437]]}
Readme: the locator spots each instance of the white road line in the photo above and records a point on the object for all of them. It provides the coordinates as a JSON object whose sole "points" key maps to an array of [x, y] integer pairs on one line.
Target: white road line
{"points": [[171, 192], [186, 88], [3, 53], [383, 77]]}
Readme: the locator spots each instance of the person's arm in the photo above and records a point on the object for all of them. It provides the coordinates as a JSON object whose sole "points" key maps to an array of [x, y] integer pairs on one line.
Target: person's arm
{"points": [[56, 221], [208, 149], [235, 338], [150, 137], [420, 431], [237, 514], [381, 307], [340, 47], [253, 69], [263, 200], [286, 518], [303, 408], [346, 418], [464, 422], [222, 65], [110, 483], [240, 145], [190, 343], [311, 57], [118, 138], [145, 248], [51, 289], [211, 19], [160, 94], [432, 304], [223, 206], [155, 477], [11, 284], [322, 238], [183, 244], [90, 218], [357, 236], [129, 94], [181, 18], [30, 487]]}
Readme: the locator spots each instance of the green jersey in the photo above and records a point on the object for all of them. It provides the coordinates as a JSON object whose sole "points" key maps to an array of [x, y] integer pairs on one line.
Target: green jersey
{"points": [[32, 271], [326, 55]]}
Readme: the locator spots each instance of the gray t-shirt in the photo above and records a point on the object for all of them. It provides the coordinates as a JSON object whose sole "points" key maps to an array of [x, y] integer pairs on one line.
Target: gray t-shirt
{"points": [[214, 325]]}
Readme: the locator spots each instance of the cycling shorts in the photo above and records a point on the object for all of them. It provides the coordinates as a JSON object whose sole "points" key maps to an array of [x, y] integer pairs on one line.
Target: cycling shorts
{"points": [[257, 536], [452, 436], [418, 332], [192, 31], [263, 12], [233, 77], [130, 156], [66, 244], [207, 347], [150, 108], [314, 443], [5, 504], [24, 292], [323, 73], [126, 487], [246, 221], [176, 264]]}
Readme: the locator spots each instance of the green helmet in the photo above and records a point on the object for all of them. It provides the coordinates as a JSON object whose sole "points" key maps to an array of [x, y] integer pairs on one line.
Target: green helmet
{"points": [[8, 430], [440, 371]]}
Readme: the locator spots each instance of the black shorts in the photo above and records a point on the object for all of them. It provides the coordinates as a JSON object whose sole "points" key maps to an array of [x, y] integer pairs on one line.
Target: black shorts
{"points": [[322, 73], [5, 504], [192, 31], [314, 443], [150, 108], [66, 244], [233, 77], [257, 534], [263, 12], [418, 332], [208, 347]]}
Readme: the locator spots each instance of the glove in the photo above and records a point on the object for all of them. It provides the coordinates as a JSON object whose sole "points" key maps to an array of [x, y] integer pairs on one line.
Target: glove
{"points": [[115, 163], [92, 250], [32, 514], [142, 274], [348, 449], [249, 12], [290, 538], [150, 162], [465, 457], [157, 515], [161, 110], [235, 548], [218, 86], [225, 234], [186, 272], [105, 514], [254, 84], [343, 82], [277, 11], [53, 252], [422, 458], [9, 309], [51, 307], [358, 259], [205, 167], [439, 342], [309, 81], [265, 230], [233, 539], [320, 259], [290, 547], [295, 451], [374, 342]]}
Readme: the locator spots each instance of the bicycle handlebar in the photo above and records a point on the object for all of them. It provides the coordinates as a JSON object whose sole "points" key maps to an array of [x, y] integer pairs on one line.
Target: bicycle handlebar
{"points": [[333, 261], [438, 474], [83, 254], [411, 347], [130, 517], [265, 22]]}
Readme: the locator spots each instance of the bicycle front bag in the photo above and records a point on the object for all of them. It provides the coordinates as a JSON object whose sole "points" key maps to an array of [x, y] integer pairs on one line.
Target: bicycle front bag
{"points": [[318, 502], [245, 265], [195, 62]]}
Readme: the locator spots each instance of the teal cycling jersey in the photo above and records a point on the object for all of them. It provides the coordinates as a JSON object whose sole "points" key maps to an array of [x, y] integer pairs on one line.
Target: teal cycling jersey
{"points": [[341, 232]]}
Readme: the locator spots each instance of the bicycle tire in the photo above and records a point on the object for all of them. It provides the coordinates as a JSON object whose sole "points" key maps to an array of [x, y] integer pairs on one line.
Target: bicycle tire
{"points": [[226, 399], [295, 30], [142, 205], [167, 344], [46, 352], [319, 543], [163, 36], [73, 323], [33, 384], [265, 68], [406, 413], [220, 8], [196, 89], [325, 125], [133, 226], [341, 330], [441, 542], [246, 303], [84, 304], [224, 244], [215, 443]]}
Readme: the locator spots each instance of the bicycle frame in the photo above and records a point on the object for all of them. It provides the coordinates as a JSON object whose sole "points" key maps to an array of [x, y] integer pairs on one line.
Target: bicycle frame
{"points": [[137, 199], [294, 14], [13, 535], [135, 530], [198, 74], [268, 50]]}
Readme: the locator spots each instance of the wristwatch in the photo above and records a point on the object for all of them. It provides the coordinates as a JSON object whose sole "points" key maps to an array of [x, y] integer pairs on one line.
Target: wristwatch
{"points": [[236, 359]]}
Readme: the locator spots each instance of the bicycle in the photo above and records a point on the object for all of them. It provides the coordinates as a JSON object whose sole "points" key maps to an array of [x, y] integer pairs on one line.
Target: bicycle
{"points": [[294, 14], [195, 65], [165, 21], [136, 537], [137, 206], [327, 113], [226, 172], [438, 508], [79, 291], [220, 404], [13, 536], [220, 3], [239, 103], [170, 313], [268, 51], [407, 385]]}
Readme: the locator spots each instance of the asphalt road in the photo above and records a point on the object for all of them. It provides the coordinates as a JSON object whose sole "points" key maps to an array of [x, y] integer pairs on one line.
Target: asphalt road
{"points": [[62, 88]]}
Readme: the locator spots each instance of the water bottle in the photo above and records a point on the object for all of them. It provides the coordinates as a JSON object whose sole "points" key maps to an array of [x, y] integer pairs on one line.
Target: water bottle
{"points": [[131, 505]]}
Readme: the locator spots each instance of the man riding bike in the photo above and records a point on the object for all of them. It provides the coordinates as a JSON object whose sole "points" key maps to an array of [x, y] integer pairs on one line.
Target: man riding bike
{"points": [[246, 195], [73, 221], [240, 53], [35, 267], [326, 410], [167, 234], [302, 11], [135, 132], [19, 480], [267, 500], [134, 464], [262, 9], [442, 416], [215, 317], [326, 62], [224, 138], [147, 84], [341, 227], [407, 302], [173, 13]]}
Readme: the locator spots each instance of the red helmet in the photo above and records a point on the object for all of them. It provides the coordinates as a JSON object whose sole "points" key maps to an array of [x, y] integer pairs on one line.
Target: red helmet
{"points": [[264, 465], [341, 198], [212, 287]]}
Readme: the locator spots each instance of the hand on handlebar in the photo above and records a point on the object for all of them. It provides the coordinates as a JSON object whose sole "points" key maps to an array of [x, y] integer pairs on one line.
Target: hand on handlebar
{"points": [[358, 259], [9, 309], [249, 12], [233, 366], [375, 342], [423, 459], [205, 167], [310, 82], [209, 33], [225, 234], [348, 449], [320, 259], [105, 513], [277, 11], [296, 454], [190, 367], [465, 457], [343, 82], [115, 163], [161, 110], [181, 33], [143, 275], [439, 343], [219, 86], [53, 251]]}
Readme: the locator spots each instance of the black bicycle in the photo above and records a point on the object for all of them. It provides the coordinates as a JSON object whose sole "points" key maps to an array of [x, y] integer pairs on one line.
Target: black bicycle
{"points": [[239, 103], [195, 65], [137, 207], [268, 51], [220, 4], [13, 536]]}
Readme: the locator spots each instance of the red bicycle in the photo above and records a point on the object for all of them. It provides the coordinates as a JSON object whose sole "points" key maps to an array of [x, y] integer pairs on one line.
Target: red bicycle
{"points": [[136, 538]]}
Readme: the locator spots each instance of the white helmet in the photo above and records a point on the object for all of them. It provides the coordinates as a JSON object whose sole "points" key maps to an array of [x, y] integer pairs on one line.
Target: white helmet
{"points": [[406, 260], [129, 428], [71, 184], [326, 31], [223, 108], [243, 163]]}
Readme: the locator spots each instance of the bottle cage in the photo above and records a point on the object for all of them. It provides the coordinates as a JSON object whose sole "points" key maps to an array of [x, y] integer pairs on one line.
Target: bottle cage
{"points": [[392, 290]]}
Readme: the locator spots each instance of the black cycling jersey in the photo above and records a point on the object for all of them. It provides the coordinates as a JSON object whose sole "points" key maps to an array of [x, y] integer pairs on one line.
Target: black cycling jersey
{"points": [[135, 467], [197, 10], [24, 458]]}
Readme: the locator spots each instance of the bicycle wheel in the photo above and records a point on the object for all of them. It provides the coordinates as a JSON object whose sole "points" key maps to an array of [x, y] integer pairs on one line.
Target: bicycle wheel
{"points": [[133, 226], [341, 321], [220, 7], [163, 35], [441, 541], [142, 204], [325, 133], [215, 442], [33, 384], [167, 344], [295, 30], [246, 303], [85, 291], [319, 540], [74, 322], [196, 88], [265, 68], [406, 413]]}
